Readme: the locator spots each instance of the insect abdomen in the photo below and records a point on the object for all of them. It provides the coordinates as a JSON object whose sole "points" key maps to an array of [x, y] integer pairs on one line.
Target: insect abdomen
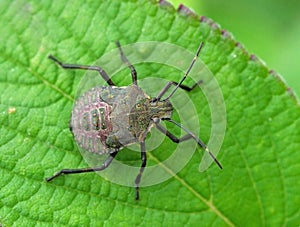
{"points": [[90, 122]]}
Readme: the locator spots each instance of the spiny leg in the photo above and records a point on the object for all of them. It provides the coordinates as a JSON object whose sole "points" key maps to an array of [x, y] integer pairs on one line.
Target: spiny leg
{"points": [[85, 170], [126, 61], [84, 67], [179, 84], [139, 176], [193, 136]]}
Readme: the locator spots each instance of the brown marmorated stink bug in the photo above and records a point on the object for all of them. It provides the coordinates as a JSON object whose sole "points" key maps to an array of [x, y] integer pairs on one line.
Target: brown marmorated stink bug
{"points": [[98, 113]]}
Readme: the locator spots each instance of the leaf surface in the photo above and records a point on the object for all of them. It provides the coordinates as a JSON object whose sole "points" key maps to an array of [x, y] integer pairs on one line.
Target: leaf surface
{"points": [[259, 183]]}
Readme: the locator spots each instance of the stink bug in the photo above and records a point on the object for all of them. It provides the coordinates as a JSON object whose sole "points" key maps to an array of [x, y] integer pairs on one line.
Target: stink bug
{"points": [[107, 118]]}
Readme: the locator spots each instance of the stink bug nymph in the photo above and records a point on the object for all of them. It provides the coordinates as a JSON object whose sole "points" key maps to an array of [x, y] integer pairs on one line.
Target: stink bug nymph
{"points": [[96, 116]]}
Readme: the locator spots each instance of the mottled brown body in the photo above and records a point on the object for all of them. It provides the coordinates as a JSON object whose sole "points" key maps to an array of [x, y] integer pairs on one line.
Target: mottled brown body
{"points": [[107, 118]]}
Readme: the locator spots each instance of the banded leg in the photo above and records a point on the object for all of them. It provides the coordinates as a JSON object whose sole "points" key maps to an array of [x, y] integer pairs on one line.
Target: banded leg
{"points": [[126, 61], [186, 137], [85, 170], [139, 176], [84, 67]]}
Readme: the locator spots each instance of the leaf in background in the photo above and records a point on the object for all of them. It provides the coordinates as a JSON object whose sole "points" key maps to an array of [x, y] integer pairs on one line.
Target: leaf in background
{"points": [[260, 180]]}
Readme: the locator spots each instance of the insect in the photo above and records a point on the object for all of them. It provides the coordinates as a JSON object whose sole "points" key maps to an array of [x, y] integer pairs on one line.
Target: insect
{"points": [[108, 118]]}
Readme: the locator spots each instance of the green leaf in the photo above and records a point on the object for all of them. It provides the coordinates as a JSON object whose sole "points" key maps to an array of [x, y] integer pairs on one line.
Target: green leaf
{"points": [[259, 183]]}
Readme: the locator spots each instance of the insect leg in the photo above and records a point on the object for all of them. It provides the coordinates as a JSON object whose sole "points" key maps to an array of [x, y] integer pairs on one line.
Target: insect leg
{"points": [[168, 85], [191, 135], [84, 67], [187, 88], [85, 170], [126, 61], [174, 138], [179, 84], [139, 176]]}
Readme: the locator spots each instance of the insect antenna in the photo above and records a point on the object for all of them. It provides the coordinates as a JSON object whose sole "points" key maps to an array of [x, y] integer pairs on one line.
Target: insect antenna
{"points": [[187, 71], [196, 139]]}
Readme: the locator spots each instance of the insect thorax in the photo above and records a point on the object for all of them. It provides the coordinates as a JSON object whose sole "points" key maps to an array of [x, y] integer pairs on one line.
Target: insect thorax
{"points": [[142, 115]]}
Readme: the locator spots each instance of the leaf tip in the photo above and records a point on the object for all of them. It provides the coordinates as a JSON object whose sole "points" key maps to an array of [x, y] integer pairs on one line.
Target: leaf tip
{"points": [[226, 34], [253, 57], [166, 4], [289, 90], [239, 45], [185, 11], [210, 22]]}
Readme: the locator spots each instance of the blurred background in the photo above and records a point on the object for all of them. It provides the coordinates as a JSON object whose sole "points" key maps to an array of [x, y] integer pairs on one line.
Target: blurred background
{"points": [[270, 29]]}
